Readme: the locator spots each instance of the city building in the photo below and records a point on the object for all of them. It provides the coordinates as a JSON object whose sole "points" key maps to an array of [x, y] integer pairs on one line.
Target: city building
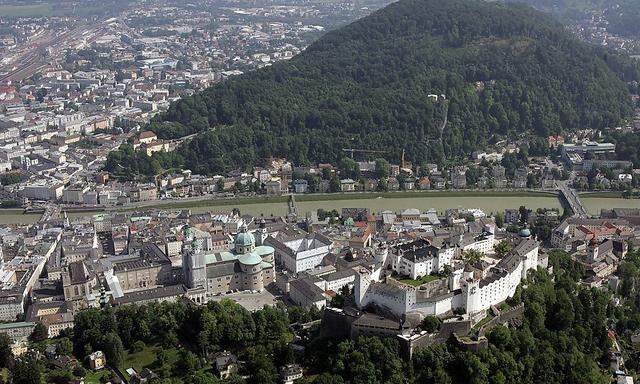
{"points": [[300, 251], [419, 258]]}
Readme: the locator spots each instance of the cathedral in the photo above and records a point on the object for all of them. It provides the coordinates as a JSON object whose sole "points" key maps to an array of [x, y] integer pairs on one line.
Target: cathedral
{"points": [[246, 268]]}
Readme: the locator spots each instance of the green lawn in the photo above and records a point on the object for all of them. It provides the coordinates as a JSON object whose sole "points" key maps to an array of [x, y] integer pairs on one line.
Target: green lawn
{"points": [[146, 358], [608, 194], [4, 374], [93, 377], [418, 282]]}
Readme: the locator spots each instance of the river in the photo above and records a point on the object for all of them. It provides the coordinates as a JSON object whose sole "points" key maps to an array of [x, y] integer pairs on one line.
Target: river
{"points": [[595, 204], [489, 204]]}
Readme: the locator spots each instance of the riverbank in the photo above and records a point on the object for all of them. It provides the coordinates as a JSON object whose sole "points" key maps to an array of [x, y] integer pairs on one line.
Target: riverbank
{"points": [[601, 195], [489, 201], [241, 201]]}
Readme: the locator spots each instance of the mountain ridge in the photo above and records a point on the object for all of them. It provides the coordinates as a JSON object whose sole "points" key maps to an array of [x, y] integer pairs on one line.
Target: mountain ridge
{"points": [[505, 70]]}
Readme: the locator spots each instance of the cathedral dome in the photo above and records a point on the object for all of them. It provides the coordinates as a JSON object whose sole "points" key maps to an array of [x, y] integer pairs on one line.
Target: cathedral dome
{"points": [[525, 232], [250, 259], [264, 250], [245, 239]]}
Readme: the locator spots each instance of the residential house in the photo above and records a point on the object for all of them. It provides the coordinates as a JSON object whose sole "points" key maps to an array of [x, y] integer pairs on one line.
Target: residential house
{"points": [[273, 187], [424, 183], [97, 360], [511, 216], [226, 364], [520, 178], [290, 373], [347, 185], [459, 178], [498, 173], [301, 186]]}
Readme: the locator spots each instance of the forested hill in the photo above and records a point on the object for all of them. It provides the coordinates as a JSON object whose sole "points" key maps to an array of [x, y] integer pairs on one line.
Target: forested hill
{"points": [[505, 70]]}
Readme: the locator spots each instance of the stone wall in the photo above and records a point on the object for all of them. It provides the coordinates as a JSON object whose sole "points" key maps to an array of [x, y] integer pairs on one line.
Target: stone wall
{"points": [[337, 323], [417, 342], [432, 289], [511, 317], [472, 344]]}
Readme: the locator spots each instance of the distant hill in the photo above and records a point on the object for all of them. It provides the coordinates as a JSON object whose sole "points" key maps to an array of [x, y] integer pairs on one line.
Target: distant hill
{"points": [[623, 15], [560, 6], [504, 69], [624, 19]]}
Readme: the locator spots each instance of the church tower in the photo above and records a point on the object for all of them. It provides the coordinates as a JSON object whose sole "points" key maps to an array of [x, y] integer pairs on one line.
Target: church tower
{"points": [[292, 215], [261, 233], [194, 267]]}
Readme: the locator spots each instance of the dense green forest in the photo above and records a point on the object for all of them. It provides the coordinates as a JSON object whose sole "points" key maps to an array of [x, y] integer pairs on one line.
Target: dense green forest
{"points": [[504, 69], [563, 339], [129, 164]]}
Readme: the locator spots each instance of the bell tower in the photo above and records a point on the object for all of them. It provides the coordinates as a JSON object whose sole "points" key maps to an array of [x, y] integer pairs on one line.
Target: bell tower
{"points": [[261, 232]]}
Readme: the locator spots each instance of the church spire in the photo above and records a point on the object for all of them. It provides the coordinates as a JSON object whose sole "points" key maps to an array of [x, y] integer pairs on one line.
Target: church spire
{"points": [[292, 214]]}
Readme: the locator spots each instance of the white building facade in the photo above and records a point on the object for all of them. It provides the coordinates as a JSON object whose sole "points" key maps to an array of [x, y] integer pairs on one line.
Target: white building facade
{"points": [[302, 253]]}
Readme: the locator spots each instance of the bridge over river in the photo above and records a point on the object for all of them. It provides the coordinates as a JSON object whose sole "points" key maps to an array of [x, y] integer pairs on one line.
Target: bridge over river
{"points": [[571, 197]]}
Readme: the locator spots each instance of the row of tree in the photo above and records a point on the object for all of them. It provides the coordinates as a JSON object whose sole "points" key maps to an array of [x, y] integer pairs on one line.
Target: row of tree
{"points": [[625, 318], [627, 146]]}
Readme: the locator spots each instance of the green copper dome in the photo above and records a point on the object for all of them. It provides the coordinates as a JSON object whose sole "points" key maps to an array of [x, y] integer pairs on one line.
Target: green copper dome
{"points": [[245, 239], [525, 232], [264, 250], [250, 259]]}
